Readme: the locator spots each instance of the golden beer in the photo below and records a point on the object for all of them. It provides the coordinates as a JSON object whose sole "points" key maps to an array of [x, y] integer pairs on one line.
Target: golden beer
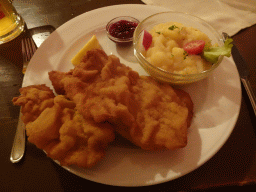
{"points": [[11, 24]]}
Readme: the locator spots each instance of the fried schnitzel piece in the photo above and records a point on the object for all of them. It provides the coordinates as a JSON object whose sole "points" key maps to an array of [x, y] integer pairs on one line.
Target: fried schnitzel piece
{"points": [[63, 133], [150, 114], [162, 116], [102, 96], [34, 99]]}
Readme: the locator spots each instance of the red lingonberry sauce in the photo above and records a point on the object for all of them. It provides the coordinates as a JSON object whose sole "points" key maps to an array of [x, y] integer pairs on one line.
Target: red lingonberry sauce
{"points": [[122, 29]]}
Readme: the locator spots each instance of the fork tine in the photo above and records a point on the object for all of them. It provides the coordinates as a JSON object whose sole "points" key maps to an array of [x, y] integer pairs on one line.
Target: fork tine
{"points": [[32, 47], [27, 48], [24, 56], [22, 49]]}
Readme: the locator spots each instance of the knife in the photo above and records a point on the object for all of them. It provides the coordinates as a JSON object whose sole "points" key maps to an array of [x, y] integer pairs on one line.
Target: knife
{"points": [[243, 72]]}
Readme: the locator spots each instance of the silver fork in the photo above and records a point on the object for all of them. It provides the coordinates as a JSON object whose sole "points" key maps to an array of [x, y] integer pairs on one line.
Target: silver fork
{"points": [[28, 49], [19, 143]]}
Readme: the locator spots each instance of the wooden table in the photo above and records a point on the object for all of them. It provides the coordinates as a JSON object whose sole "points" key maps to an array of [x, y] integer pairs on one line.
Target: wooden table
{"points": [[234, 165]]}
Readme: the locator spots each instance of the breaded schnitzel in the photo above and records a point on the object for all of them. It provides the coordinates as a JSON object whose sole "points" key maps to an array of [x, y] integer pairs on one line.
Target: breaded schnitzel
{"points": [[54, 125], [150, 114]]}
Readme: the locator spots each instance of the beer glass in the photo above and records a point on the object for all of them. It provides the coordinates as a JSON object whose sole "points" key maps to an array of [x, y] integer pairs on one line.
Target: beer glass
{"points": [[11, 23]]}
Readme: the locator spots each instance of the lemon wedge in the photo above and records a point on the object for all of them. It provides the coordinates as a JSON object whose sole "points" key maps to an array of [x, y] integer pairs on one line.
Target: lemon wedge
{"points": [[93, 43]]}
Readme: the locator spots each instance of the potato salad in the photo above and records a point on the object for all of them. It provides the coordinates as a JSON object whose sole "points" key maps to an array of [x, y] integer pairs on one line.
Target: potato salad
{"points": [[176, 48]]}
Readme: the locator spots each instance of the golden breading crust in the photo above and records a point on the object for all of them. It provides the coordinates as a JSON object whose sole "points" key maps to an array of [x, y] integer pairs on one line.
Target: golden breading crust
{"points": [[150, 114]]}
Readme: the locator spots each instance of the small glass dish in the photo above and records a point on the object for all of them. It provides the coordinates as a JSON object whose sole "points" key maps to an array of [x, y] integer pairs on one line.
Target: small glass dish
{"points": [[187, 20], [132, 24]]}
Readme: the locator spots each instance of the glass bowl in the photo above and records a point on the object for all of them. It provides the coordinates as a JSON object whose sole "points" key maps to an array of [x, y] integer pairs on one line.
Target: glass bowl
{"points": [[118, 19], [188, 21]]}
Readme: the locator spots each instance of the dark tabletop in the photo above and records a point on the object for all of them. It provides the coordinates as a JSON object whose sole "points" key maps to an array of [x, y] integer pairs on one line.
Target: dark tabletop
{"points": [[234, 166]]}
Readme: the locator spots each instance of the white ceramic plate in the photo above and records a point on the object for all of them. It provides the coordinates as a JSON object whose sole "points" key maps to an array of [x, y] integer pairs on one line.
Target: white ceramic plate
{"points": [[216, 99]]}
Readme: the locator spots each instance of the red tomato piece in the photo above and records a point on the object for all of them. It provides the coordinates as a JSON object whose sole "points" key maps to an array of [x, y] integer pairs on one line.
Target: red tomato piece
{"points": [[194, 47], [147, 39]]}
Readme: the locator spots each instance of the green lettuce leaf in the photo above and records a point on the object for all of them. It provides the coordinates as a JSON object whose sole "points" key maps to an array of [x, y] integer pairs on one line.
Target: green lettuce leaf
{"points": [[212, 54]]}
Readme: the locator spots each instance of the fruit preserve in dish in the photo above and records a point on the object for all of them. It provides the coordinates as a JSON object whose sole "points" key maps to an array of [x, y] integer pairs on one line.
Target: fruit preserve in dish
{"points": [[121, 29]]}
